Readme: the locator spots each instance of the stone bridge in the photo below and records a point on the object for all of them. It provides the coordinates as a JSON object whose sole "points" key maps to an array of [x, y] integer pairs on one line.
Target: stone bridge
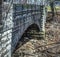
{"points": [[16, 18]]}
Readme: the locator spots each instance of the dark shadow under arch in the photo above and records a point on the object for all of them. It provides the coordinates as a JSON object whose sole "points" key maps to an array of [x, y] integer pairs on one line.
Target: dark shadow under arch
{"points": [[33, 26]]}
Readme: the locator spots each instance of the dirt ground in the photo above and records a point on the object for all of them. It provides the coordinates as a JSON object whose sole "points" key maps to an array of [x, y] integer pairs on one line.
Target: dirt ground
{"points": [[53, 29]]}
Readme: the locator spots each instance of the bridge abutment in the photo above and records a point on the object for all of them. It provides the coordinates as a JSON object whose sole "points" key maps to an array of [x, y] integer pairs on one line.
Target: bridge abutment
{"points": [[16, 18]]}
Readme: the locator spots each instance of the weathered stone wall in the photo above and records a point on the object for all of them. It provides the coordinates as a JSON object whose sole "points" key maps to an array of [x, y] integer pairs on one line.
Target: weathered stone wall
{"points": [[16, 22], [21, 22], [6, 32]]}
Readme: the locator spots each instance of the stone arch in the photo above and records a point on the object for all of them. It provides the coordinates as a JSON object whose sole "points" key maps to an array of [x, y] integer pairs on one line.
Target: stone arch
{"points": [[34, 25]]}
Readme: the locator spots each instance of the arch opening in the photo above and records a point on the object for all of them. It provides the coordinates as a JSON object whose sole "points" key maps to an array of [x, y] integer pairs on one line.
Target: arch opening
{"points": [[26, 35]]}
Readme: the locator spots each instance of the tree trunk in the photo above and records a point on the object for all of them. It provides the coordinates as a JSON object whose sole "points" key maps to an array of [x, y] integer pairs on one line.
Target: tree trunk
{"points": [[52, 8]]}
